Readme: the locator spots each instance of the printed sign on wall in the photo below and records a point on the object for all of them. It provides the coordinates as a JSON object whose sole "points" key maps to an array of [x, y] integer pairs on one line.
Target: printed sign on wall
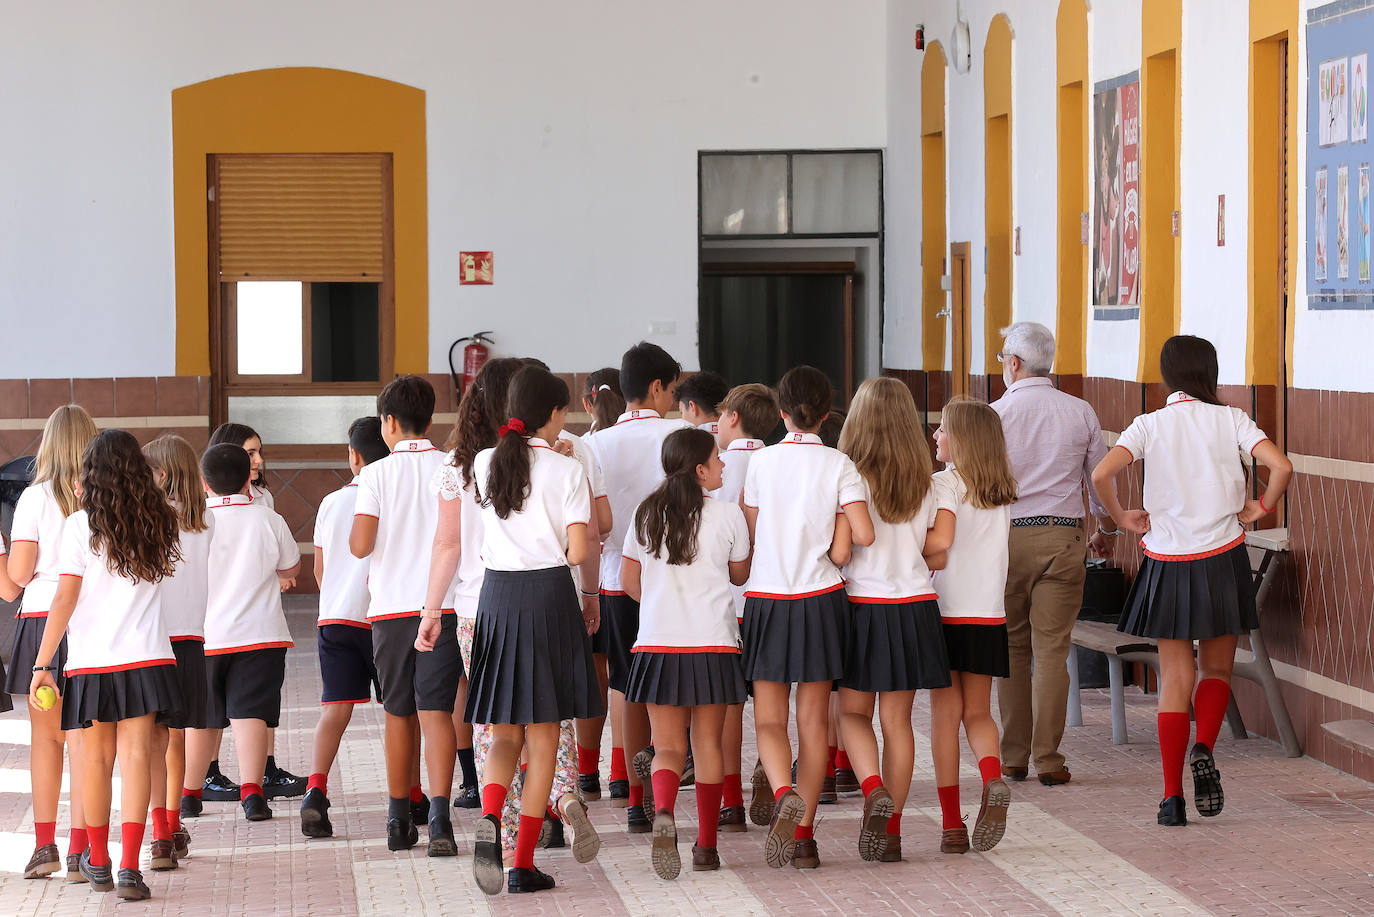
{"points": [[475, 268], [1116, 192]]}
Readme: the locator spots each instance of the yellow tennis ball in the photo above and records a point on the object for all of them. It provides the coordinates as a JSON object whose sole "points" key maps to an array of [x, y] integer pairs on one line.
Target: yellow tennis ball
{"points": [[46, 697]]}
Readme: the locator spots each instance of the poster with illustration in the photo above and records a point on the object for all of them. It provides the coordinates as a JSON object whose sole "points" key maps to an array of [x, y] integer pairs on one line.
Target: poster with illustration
{"points": [[1359, 98], [1319, 224], [1343, 222], [1333, 95], [1362, 214], [1116, 193]]}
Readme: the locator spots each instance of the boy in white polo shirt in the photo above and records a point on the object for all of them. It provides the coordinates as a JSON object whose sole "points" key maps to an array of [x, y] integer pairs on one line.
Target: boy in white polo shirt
{"points": [[348, 673], [698, 397], [394, 519], [253, 557]]}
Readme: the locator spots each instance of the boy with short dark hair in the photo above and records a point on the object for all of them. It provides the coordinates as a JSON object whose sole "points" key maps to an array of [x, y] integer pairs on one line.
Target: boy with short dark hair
{"points": [[348, 673], [394, 520], [253, 558], [697, 397]]}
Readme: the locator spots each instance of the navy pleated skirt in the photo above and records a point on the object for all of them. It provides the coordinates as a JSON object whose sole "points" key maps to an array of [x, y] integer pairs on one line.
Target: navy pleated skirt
{"points": [[793, 641], [686, 679], [1192, 599], [109, 697], [895, 647], [979, 649], [28, 637], [531, 657]]}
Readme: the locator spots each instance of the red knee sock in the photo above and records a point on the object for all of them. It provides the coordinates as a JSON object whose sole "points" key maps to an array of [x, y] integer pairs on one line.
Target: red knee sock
{"points": [[1173, 748], [637, 796], [708, 812], [777, 794], [842, 760], [249, 789], [588, 760], [831, 752], [665, 788], [894, 824], [318, 782], [1209, 706], [493, 799], [525, 839], [161, 832], [194, 794], [870, 784], [804, 832], [990, 768], [99, 838], [44, 833], [78, 841], [131, 839], [618, 771], [174, 820], [949, 806], [732, 793], [417, 793]]}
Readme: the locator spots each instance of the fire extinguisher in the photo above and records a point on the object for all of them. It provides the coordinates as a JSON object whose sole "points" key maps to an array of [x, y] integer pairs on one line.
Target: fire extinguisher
{"points": [[474, 358]]}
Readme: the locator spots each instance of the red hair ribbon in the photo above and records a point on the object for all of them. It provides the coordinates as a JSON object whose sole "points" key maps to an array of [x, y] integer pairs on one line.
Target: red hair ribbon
{"points": [[514, 425]]}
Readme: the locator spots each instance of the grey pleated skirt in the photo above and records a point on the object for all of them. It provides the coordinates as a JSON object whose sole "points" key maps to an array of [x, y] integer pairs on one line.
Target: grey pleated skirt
{"points": [[793, 641], [1192, 599], [895, 647], [686, 679], [108, 697]]}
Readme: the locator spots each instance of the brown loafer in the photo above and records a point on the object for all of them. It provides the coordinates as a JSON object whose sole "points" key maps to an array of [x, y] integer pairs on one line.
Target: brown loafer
{"points": [[43, 863], [892, 850], [846, 782], [805, 855], [181, 843], [667, 861], [162, 855], [954, 840], [705, 859], [781, 843], [74, 868], [878, 809], [732, 820], [762, 804], [1016, 773], [828, 795], [991, 823], [1056, 778]]}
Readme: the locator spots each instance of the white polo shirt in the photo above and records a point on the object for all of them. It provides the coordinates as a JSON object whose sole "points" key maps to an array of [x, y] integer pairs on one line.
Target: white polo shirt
{"points": [[735, 457], [39, 520], [262, 495], [343, 592], [798, 486], [687, 608], [891, 571], [448, 485], [584, 454], [711, 426], [631, 457], [1194, 476], [117, 623], [536, 537], [396, 492], [186, 592], [973, 584], [251, 544]]}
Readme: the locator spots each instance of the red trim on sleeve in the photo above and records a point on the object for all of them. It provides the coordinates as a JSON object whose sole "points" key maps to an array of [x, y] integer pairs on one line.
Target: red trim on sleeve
{"points": [[249, 647], [345, 621], [851, 503], [1252, 453], [1125, 450], [23, 541], [125, 667], [633, 560], [602, 497], [1229, 546], [368, 515], [946, 509], [799, 595], [572, 524]]}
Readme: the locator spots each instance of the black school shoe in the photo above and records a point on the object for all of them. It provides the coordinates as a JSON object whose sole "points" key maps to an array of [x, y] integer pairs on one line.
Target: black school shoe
{"points": [[689, 772], [131, 887], [1208, 798], [487, 868], [636, 822], [589, 785], [620, 793], [441, 842], [419, 811], [551, 834], [191, 807], [1172, 812], [278, 783], [467, 797], [255, 808], [401, 834], [528, 880], [315, 814], [217, 787]]}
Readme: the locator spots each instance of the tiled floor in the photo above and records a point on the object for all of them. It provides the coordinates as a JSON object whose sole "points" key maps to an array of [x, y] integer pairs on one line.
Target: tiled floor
{"points": [[1296, 837]]}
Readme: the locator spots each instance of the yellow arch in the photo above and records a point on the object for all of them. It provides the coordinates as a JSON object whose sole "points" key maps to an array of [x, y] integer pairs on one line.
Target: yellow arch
{"points": [[1161, 132], [1071, 32], [299, 110], [997, 178], [933, 229]]}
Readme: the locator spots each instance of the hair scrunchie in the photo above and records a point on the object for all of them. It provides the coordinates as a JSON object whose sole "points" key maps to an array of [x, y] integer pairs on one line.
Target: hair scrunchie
{"points": [[514, 425], [603, 388]]}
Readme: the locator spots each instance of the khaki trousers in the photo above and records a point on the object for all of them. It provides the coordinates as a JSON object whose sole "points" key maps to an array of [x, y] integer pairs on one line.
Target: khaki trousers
{"points": [[1045, 573]]}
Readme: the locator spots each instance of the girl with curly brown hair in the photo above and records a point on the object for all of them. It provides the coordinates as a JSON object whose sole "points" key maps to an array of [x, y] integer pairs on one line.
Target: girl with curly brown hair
{"points": [[120, 669]]}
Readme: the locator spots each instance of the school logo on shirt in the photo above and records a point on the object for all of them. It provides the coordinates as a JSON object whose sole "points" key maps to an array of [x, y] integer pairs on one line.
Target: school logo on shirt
{"points": [[796, 437], [414, 445]]}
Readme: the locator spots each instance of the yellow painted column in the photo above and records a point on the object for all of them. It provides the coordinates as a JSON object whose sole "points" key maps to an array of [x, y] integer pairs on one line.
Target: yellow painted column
{"points": [[1071, 30], [934, 247], [1161, 27], [997, 176]]}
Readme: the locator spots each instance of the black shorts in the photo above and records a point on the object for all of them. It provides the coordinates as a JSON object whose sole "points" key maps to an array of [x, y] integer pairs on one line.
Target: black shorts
{"points": [[411, 680], [244, 686], [620, 620], [190, 656], [347, 673]]}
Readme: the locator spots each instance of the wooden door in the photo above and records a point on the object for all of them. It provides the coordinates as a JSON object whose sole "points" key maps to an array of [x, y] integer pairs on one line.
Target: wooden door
{"points": [[959, 318]]}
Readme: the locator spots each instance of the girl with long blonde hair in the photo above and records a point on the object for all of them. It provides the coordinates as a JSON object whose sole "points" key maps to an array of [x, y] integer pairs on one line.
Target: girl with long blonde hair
{"points": [[36, 537], [896, 642], [968, 547]]}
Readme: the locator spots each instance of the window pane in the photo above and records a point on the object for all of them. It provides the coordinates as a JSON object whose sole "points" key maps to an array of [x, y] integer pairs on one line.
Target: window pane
{"points": [[836, 192], [743, 194], [302, 419], [344, 332], [269, 328]]}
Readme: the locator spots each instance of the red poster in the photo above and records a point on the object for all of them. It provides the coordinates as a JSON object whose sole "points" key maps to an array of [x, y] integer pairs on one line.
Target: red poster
{"points": [[475, 268], [1129, 287]]}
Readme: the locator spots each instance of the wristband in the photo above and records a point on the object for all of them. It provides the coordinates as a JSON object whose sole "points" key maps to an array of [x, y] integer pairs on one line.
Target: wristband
{"points": [[594, 592], [1116, 531], [433, 614], [1265, 508], [45, 668]]}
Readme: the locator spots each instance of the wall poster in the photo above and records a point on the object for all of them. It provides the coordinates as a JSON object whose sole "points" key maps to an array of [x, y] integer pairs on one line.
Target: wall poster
{"points": [[1319, 202], [1343, 222], [1334, 113], [1359, 98], [1116, 192]]}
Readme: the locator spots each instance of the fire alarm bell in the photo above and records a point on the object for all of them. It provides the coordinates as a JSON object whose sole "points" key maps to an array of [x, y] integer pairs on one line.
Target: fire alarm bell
{"points": [[920, 38]]}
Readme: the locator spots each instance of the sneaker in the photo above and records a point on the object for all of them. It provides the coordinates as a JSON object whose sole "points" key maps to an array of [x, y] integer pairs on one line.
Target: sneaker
{"points": [[43, 863], [643, 765], [878, 808], [278, 783], [419, 811], [315, 814], [1208, 798], [401, 834], [805, 855], [991, 823], [589, 785], [161, 855], [217, 787], [74, 868], [781, 843], [528, 880], [191, 807], [732, 820], [954, 840], [828, 795], [847, 782], [1172, 812], [667, 862], [689, 772], [705, 859], [181, 843], [467, 797], [761, 805], [586, 842], [131, 887], [255, 808], [487, 868], [98, 876], [551, 834], [636, 822], [620, 793], [441, 842]]}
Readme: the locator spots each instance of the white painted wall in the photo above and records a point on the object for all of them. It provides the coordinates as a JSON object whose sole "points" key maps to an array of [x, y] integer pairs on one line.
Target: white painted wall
{"points": [[561, 136]]}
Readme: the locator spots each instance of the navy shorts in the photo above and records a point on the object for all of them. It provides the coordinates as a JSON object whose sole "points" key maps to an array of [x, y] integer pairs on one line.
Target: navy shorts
{"points": [[347, 673], [411, 680], [244, 686]]}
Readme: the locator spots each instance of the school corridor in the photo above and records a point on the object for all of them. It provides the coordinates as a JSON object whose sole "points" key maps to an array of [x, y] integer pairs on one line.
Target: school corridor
{"points": [[1296, 836]]}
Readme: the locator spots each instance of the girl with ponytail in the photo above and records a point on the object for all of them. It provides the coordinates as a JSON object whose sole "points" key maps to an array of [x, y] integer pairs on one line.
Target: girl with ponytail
{"points": [[681, 556]]}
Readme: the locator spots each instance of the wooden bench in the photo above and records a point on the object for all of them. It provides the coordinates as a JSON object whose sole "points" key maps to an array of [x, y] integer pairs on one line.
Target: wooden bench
{"points": [[1252, 664]]}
